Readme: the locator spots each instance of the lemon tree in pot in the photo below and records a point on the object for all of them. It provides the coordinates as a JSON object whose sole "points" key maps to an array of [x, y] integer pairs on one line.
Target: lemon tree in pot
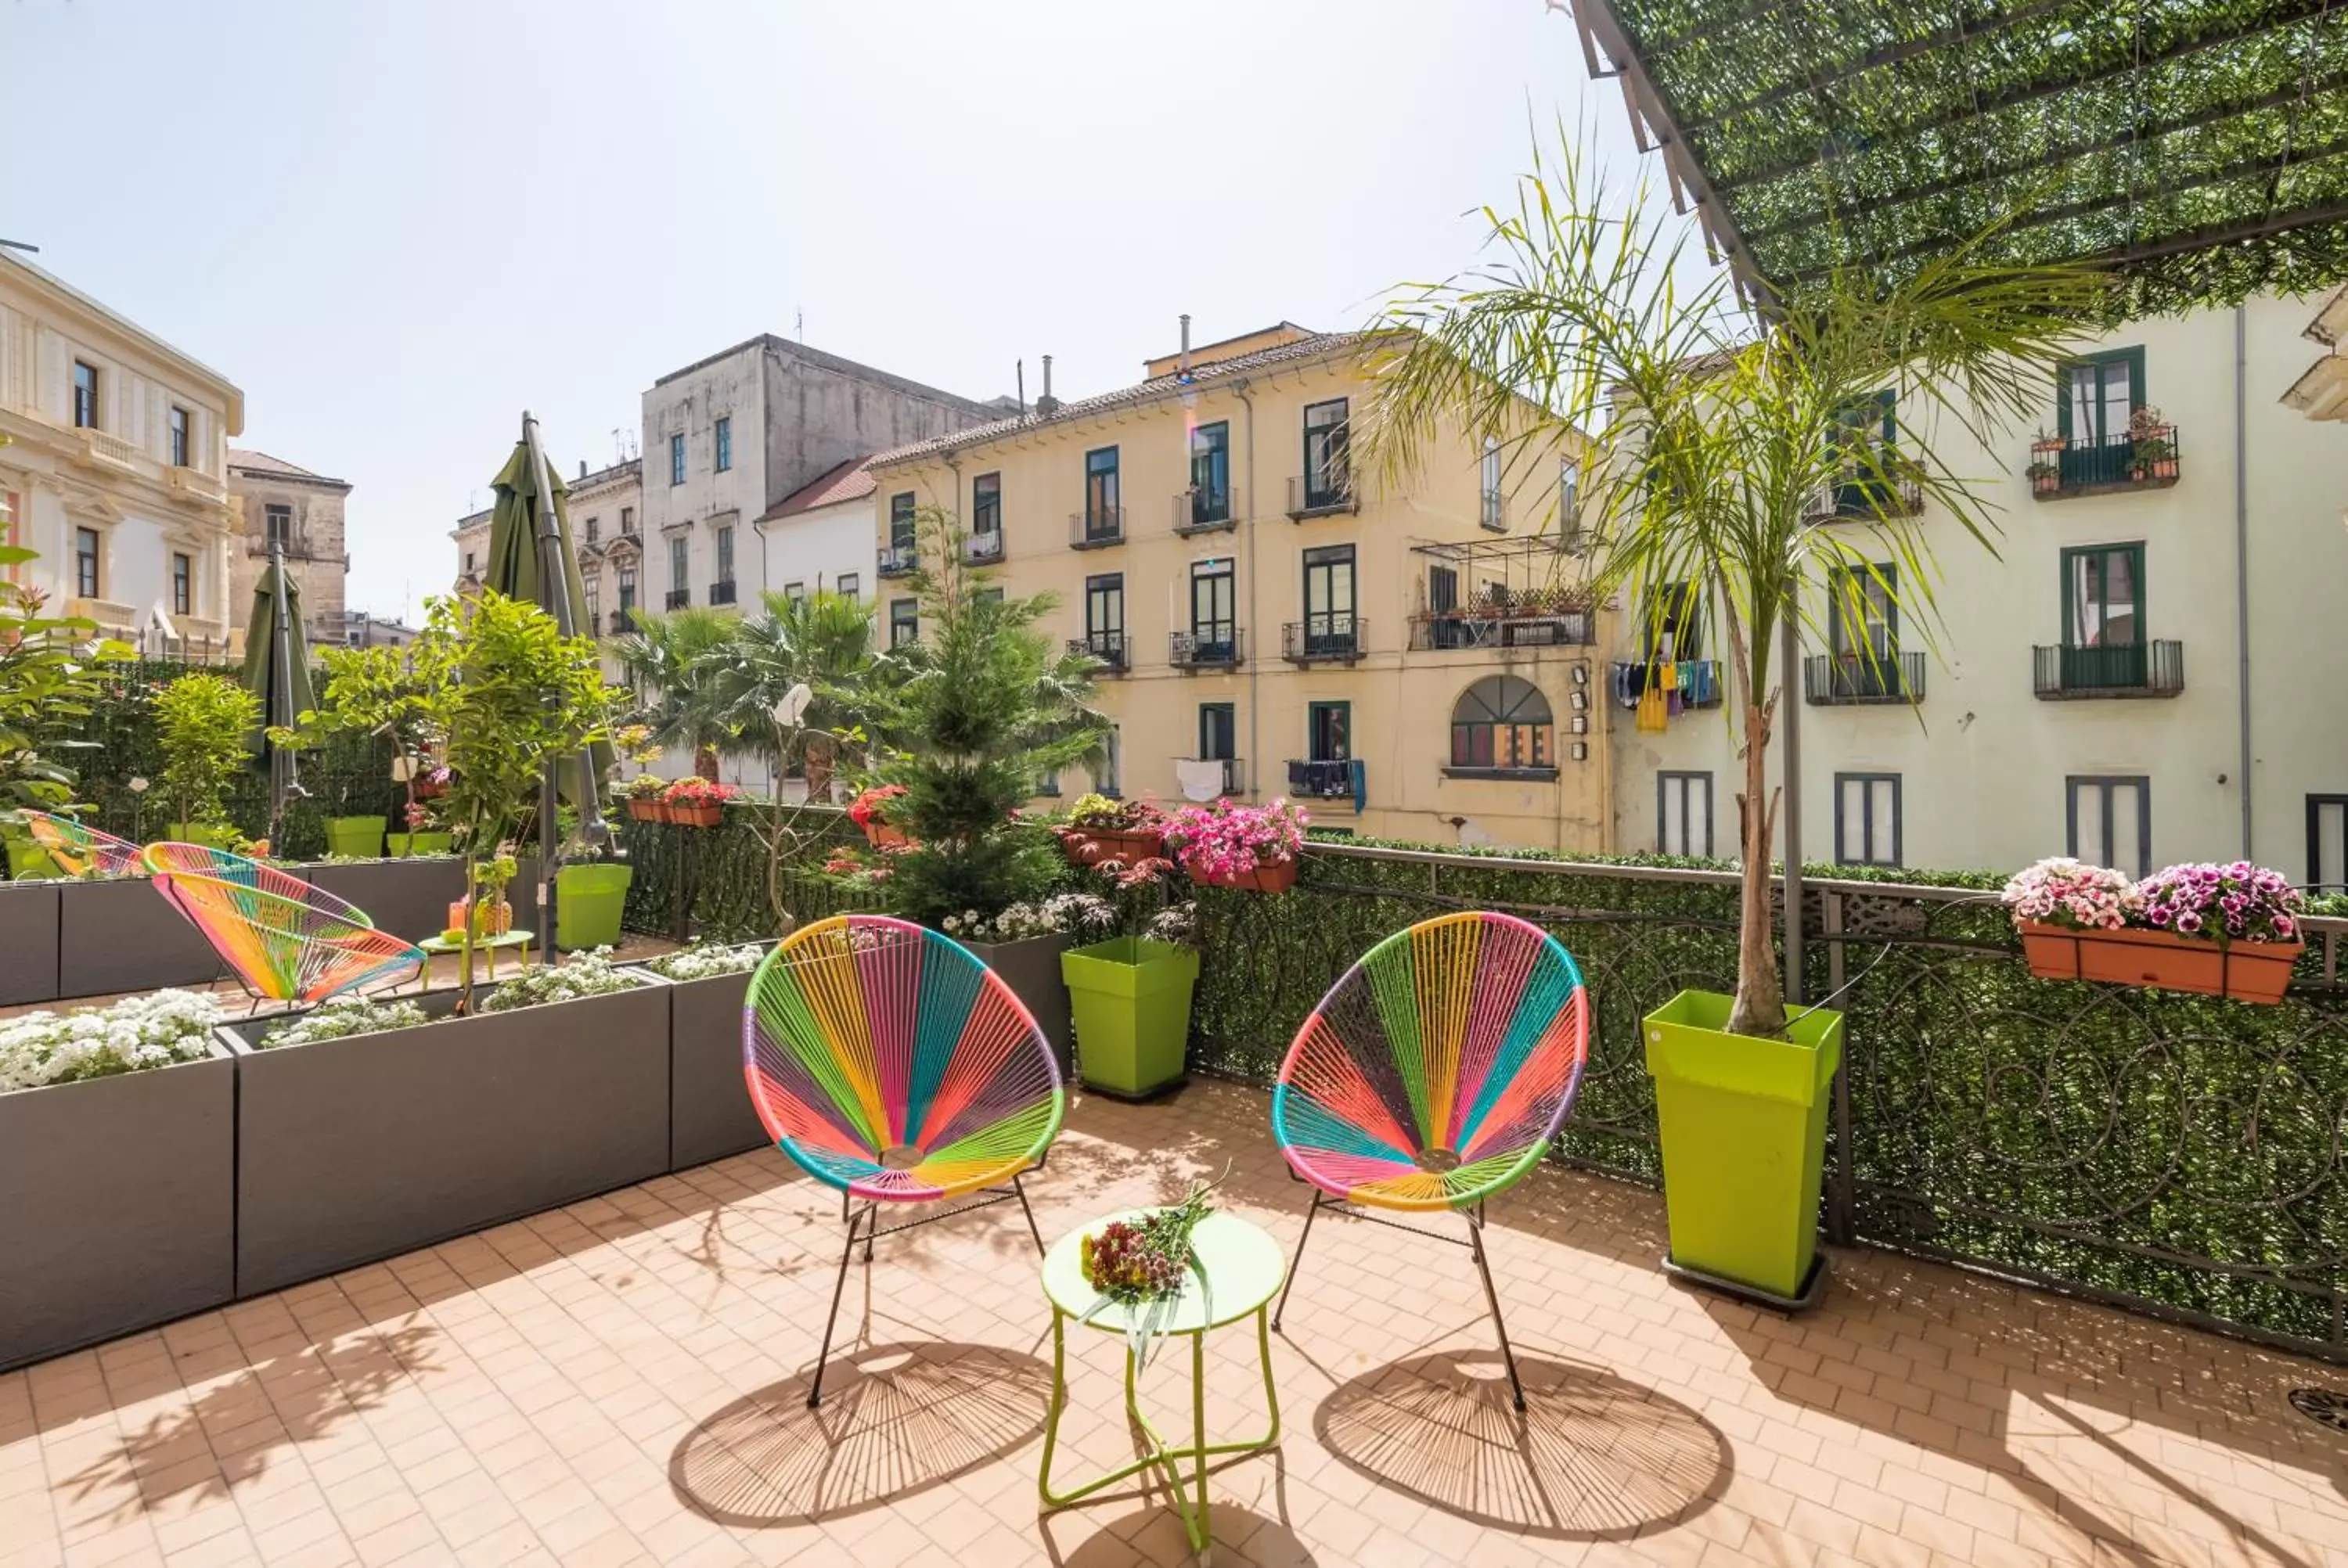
{"points": [[201, 721], [1741, 472]]}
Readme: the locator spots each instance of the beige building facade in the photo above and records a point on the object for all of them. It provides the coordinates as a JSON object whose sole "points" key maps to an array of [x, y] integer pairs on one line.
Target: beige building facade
{"points": [[116, 466], [1412, 661], [277, 502], [2139, 675]]}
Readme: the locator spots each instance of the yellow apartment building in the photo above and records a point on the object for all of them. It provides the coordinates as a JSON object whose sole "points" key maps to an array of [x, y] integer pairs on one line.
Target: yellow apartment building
{"points": [[1412, 661]]}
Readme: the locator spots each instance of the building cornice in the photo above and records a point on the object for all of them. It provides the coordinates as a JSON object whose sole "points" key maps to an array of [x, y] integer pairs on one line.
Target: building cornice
{"points": [[120, 332]]}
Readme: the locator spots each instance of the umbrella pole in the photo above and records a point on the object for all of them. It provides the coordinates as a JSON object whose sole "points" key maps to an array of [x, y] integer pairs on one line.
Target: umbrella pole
{"points": [[281, 776], [554, 597]]}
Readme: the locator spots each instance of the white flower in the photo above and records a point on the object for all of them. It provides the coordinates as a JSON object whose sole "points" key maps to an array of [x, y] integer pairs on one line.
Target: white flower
{"points": [[699, 962], [155, 1031]]}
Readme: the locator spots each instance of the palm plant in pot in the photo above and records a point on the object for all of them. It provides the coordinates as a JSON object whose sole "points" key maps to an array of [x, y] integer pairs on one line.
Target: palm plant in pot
{"points": [[1708, 431]]}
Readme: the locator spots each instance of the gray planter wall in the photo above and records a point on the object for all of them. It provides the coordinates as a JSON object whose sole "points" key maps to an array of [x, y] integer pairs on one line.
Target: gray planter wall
{"points": [[28, 942], [121, 935], [710, 1115], [1031, 969], [354, 1150], [408, 899], [120, 1209]]}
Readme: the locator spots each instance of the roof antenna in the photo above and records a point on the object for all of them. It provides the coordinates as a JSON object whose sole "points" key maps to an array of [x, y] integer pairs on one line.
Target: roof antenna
{"points": [[1023, 388], [799, 326]]}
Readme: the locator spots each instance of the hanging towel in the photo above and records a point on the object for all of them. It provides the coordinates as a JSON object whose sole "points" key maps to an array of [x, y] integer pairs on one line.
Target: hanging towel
{"points": [[1701, 679], [1200, 779], [1361, 780], [1626, 678], [1653, 716]]}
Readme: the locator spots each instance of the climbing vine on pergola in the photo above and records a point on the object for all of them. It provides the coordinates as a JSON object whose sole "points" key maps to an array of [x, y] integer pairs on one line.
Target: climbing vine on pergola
{"points": [[2199, 145]]}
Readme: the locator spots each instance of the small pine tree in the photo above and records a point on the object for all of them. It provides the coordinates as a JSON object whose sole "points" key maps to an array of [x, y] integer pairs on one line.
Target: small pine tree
{"points": [[971, 717]]}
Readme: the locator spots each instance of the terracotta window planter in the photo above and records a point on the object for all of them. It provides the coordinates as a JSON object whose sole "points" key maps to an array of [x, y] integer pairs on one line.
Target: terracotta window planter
{"points": [[1277, 877], [2245, 972], [701, 814], [879, 834], [1089, 847], [647, 810]]}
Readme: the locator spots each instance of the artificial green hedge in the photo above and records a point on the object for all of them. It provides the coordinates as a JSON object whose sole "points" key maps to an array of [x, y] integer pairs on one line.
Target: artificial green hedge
{"points": [[711, 882]]}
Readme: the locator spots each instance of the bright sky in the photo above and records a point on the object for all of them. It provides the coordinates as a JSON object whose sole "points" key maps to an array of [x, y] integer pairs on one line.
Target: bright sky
{"points": [[395, 226]]}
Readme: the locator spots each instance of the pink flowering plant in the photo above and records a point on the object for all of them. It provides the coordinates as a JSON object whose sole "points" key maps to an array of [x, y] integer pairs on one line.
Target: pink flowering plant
{"points": [[2236, 903], [2060, 891], [1226, 840]]}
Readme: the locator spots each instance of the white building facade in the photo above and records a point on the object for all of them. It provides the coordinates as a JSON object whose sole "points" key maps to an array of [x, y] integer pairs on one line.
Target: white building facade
{"points": [[2141, 674], [116, 466], [819, 538]]}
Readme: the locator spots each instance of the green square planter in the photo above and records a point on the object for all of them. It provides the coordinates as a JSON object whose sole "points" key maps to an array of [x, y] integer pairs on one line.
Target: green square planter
{"points": [[1131, 1000], [403, 846], [356, 837], [1742, 1123], [589, 899]]}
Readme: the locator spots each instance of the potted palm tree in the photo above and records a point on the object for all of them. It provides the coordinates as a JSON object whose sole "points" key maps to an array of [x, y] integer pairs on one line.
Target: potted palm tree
{"points": [[1704, 429]]}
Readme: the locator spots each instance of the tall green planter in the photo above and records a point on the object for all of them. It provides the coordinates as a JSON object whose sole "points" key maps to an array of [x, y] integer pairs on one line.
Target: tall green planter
{"points": [[1742, 1123], [1131, 1001], [400, 846], [588, 901], [356, 837]]}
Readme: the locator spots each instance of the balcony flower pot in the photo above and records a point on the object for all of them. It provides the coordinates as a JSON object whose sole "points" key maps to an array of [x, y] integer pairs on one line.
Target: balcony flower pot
{"points": [[28, 942], [1091, 846], [2245, 972], [121, 1204], [1131, 1001], [645, 809], [1742, 1126], [697, 813], [403, 845], [589, 899], [364, 1147], [356, 837], [879, 833], [1031, 968], [1277, 877], [710, 1116]]}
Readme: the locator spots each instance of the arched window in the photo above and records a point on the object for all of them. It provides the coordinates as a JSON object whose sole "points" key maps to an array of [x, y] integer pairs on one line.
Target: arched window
{"points": [[1503, 721]]}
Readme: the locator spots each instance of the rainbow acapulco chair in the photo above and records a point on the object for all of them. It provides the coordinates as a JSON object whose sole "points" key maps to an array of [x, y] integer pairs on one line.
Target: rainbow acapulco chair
{"points": [[285, 940], [1432, 1077], [79, 849], [887, 1061]]}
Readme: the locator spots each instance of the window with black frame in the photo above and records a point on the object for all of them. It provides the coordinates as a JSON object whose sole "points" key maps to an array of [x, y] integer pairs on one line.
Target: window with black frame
{"points": [[1328, 454], [1329, 586], [986, 505], [901, 525], [904, 621], [1214, 610], [1105, 616], [1104, 516], [1210, 474]]}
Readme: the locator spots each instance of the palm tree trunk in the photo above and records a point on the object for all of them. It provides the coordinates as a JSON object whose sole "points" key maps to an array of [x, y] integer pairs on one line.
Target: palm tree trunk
{"points": [[1760, 1005]]}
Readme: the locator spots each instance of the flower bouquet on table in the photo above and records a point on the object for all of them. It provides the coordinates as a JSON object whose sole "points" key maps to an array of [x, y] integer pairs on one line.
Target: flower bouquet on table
{"points": [[870, 811], [697, 801], [1098, 830], [1143, 1262], [1250, 847]]}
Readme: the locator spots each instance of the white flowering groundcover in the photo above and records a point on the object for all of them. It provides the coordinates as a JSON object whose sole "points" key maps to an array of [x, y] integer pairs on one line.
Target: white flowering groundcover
{"points": [[43, 1048]]}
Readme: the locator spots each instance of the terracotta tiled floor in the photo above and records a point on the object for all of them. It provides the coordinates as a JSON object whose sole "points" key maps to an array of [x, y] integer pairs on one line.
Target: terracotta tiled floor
{"points": [[623, 1381]]}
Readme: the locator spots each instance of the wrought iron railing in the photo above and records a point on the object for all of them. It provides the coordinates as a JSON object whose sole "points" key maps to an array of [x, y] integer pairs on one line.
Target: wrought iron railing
{"points": [[1440, 630], [678, 597], [983, 548], [1322, 495], [1198, 511], [1319, 779], [1890, 497], [1207, 648], [722, 592], [1316, 639], [1108, 647], [2154, 668], [899, 560], [2088, 466], [1095, 526], [1889, 676]]}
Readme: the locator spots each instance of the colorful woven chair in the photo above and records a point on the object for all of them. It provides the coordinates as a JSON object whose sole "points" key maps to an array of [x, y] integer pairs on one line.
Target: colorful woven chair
{"points": [[888, 1062], [1432, 1077], [285, 939], [79, 849]]}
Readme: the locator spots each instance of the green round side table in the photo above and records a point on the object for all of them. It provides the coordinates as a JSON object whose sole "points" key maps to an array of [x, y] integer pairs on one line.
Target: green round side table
{"points": [[1239, 1269]]}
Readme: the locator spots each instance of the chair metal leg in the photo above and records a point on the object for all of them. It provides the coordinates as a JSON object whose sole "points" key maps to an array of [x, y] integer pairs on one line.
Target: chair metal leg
{"points": [[839, 1288], [1492, 1296], [1290, 1283], [1021, 1194]]}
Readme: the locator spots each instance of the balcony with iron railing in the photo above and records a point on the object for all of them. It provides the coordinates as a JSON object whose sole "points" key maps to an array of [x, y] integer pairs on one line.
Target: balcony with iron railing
{"points": [[1321, 496], [1207, 648], [1332, 638], [983, 548], [1531, 616], [1891, 496], [623, 620], [1108, 647], [2142, 457], [1315, 779], [1096, 527], [1234, 771], [678, 597], [2061, 672], [1837, 679], [1198, 511], [897, 560], [722, 592]]}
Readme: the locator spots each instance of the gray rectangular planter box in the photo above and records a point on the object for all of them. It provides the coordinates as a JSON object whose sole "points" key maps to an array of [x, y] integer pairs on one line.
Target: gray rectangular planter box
{"points": [[119, 934], [28, 942], [353, 1150], [1031, 968], [120, 1209], [410, 899], [710, 1115]]}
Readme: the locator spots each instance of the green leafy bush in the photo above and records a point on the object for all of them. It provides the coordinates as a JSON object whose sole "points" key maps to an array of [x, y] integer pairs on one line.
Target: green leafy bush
{"points": [[203, 719]]}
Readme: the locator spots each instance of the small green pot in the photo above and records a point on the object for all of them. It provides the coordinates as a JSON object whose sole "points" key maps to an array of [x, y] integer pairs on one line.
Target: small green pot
{"points": [[28, 860], [199, 832], [400, 846], [1742, 1123], [1130, 997], [355, 837], [588, 902]]}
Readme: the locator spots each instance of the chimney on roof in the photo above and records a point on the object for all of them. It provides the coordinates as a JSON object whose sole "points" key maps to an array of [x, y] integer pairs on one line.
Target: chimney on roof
{"points": [[1184, 373], [1023, 388], [1046, 406], [582, 467]]}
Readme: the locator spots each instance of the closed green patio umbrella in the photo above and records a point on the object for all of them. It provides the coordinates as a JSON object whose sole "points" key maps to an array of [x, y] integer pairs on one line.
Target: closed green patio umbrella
{"points": [[277, 671]]}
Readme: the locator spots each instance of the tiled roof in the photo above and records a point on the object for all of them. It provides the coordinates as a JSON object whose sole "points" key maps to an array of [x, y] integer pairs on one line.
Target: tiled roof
{"points": [[1203, 375], [252, 462], [849, 481]]}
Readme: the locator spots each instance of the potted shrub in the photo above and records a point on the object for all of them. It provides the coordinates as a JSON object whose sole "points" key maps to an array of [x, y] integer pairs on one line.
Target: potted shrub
{"points": [[117, 1150], [1097, 829], [371, 1126], [644, 804], [2153, 442], [2045, 468], [1254, 848], [1707, 427], [870, 810], [2217, 930], [1129, 997], [697, 803], [201, 721], [710, 1116]]}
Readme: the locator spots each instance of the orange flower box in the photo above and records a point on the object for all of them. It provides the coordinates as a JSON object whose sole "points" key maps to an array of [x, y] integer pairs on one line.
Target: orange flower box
{"points": [[705, 814], [2244, 971], [1090, 847], [1277, 877], [647, 810]]}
